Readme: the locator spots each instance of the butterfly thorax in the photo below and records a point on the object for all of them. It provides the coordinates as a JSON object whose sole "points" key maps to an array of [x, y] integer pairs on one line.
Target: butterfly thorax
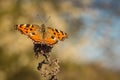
{"points": [[43, 30]]}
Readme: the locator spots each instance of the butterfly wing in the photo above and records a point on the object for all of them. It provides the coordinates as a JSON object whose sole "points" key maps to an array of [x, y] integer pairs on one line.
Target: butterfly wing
{"points": [[42, 34], [58, 34], [50, 38], [32, 31]]}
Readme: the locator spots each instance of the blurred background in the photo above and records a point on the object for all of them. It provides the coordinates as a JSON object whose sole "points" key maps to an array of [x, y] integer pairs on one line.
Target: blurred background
{"points": [[92, 51]]}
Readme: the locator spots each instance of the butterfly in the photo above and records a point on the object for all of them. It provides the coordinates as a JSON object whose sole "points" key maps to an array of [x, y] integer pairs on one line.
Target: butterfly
{"points": [[42, 34]]}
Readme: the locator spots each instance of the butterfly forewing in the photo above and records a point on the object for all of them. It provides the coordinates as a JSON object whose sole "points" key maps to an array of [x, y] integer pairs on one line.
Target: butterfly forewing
{"points": [[58, 34], [32, 31]]}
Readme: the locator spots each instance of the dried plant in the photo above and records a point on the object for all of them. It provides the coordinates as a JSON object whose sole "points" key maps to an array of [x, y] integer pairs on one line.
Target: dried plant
{"points": [[48, 68]]}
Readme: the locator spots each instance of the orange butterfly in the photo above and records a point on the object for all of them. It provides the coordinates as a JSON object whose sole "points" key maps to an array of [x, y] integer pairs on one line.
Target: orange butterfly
{"points": [[43, 34]]}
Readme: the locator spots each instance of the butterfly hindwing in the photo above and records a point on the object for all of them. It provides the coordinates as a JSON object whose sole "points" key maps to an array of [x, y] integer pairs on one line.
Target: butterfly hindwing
{"points": [[50, 38]]}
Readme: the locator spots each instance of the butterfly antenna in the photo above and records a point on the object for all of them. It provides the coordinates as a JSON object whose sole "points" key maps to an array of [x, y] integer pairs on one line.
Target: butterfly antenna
{"points": [[38, 17], [43, 21], [47, 19]]}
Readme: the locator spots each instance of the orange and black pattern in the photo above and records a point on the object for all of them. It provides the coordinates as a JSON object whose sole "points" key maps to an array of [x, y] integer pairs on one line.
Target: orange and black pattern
{"points": [[42, 34]]}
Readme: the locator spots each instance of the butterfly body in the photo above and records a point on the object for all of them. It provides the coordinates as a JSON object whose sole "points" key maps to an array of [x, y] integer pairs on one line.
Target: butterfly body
{"points": [[42, 34]]}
